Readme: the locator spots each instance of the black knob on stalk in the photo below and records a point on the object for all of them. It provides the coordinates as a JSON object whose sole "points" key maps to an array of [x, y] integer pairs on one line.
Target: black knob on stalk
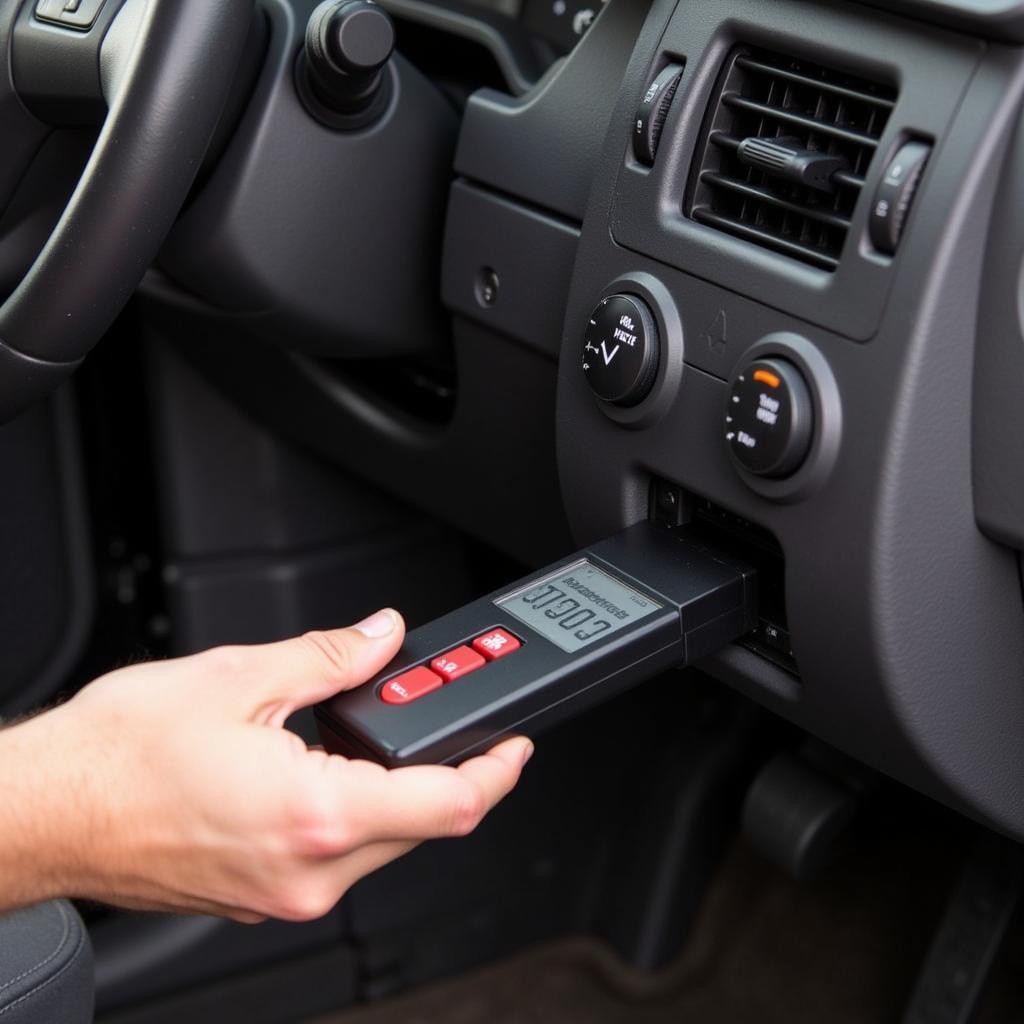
{"points": [[343, 78]]}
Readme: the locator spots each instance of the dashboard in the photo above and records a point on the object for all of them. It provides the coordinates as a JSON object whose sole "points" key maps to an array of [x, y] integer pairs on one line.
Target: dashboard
{"points": [[752, 267]]}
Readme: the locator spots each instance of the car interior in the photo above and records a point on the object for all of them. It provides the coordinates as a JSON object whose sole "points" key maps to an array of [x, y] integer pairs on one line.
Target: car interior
{"points": [[673, 349]]}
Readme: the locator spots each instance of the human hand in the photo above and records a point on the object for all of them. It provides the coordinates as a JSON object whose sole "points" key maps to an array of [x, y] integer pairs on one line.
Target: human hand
{"points": [[173, 786]]}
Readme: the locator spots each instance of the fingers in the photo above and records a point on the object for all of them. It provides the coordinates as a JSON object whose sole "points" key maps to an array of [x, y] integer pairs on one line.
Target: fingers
{"points": [[372, 816], [374, 805], [345, 872], [295, 673], [317, 890]]}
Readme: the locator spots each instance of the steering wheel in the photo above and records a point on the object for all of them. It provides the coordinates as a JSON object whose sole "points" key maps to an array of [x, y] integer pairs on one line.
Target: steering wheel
{"points": [[157, 74]]}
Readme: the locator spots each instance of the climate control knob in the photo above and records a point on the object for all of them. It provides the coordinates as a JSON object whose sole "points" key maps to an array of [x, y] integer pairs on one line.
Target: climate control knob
{"points": [[620, 350], [769, 418]]}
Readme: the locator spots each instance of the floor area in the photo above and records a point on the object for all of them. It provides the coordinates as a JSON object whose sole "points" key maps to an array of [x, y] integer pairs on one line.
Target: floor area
{"points": [[844, 949]]}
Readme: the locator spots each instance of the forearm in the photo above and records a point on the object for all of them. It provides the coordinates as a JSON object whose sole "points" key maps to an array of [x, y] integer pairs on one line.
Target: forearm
{"points": [[35, 830]]}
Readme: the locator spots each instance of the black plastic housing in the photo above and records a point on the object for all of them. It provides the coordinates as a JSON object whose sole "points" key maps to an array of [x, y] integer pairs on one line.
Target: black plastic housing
{"points": [[708, 600]]}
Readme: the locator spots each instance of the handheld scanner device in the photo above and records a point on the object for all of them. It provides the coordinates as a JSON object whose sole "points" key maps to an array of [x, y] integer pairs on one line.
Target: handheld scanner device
{"points": [[557, 642]]}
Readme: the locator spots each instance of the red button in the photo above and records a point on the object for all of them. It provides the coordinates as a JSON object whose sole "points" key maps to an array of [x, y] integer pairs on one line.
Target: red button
{"points": [[457, 663], [409, 686], [496, 644]]}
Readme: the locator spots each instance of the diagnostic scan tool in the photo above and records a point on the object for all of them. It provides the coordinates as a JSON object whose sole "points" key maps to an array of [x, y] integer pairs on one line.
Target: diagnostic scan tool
{"points": [[545, 648]]}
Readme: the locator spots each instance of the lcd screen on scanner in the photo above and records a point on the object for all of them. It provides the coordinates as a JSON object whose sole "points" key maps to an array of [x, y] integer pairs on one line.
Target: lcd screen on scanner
{"points": [[577, 606]]}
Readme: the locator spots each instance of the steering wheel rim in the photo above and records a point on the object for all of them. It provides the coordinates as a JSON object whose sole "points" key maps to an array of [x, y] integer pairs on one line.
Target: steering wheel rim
{"points": [[167, 104]]}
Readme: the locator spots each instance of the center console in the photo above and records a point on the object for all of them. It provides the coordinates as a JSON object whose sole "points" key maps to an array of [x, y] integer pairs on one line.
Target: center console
{"points": [[772, 311]]}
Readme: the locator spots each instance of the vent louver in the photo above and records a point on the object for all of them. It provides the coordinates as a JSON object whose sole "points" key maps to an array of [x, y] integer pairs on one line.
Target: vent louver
{"points": [[813, 112]]}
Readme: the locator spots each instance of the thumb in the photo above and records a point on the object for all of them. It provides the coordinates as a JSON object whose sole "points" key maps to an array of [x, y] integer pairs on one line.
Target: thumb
{"points": [[299, 672]]}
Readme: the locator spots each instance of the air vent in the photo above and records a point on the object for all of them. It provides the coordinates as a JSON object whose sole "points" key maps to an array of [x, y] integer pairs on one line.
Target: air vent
{"points": [[786, 151]]}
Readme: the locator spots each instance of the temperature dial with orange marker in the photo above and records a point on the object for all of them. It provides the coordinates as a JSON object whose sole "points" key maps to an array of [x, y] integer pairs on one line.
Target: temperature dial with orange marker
{"points": [[769, 418]]}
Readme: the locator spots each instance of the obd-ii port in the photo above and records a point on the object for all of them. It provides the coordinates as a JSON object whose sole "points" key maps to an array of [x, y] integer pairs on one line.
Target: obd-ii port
{"points": [[675, 506]]}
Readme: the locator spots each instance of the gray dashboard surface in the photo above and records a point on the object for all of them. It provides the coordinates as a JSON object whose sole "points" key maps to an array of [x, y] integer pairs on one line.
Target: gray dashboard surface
{"points": [[995, 19], [907, 622]]}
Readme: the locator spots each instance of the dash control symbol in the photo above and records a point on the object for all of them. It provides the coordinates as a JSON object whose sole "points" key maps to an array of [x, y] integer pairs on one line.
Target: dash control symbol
{"points": [[622, 331]]}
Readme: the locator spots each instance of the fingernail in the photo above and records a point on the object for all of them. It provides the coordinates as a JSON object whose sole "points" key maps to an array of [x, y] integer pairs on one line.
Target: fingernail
{"points": [[527, 752], [378, 625]]}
